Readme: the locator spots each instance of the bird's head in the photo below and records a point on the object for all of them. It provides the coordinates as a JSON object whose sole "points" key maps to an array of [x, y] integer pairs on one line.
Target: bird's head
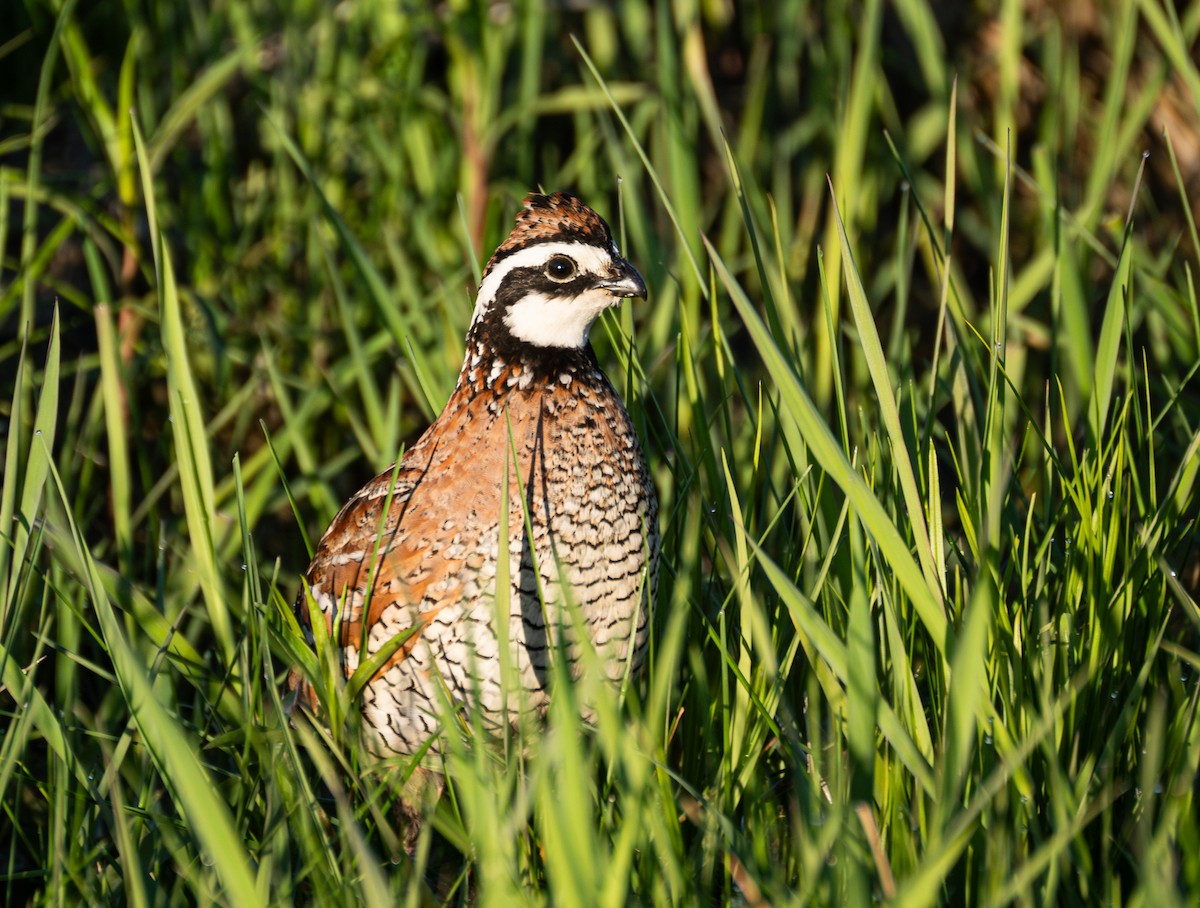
{"points": [[550, 280]]}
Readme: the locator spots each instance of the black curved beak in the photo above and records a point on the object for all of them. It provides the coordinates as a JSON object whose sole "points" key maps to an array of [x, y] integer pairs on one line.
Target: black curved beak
{"points": [[627, 285]]}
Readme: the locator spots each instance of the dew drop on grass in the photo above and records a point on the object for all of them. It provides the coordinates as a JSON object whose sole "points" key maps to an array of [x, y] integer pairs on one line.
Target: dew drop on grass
{"points": [[987, 739], [38, 432], [1113, 695], [243, 567], [1110, 494]]}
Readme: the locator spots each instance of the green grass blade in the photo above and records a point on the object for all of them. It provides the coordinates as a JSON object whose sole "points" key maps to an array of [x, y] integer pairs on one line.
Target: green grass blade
{"points": [[802, 417], [8, 491], [170, 743], [872, 350], [113, 391], [183, 112], [37, 466], [393, 316], [1109, 344], [967, 690], [187, 429]]}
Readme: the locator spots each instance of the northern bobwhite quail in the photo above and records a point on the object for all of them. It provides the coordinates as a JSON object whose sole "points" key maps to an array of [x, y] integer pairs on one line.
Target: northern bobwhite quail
{"points": [[530, 387]]}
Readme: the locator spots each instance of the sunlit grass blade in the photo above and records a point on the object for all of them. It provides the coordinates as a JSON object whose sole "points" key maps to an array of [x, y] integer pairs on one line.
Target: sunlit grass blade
{"points": [[834, 651], [33, 481], [872, 350], [368, 882], [1109, 344], [847, 169], [967, 690], [8, 490], [862, 690], [801, 417], [132, 872], [187, 428], [19, 682], [113, 391], [172, 745], [756, 656], [923, 885], [287, 490]]}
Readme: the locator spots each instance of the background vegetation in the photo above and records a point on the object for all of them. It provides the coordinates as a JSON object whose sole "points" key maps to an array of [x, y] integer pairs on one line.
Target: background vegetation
{"points": [[927, 629]]}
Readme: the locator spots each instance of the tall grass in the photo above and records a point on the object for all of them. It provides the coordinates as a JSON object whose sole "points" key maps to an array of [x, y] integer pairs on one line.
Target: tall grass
{"points": [[925, 432]]}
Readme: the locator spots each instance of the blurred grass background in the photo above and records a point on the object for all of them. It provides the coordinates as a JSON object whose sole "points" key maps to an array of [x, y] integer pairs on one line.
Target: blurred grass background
{"points": [[927, 630]]}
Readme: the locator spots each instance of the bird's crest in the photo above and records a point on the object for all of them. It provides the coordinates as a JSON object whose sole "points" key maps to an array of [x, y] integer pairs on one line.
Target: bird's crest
{"points": [[556, 217]]}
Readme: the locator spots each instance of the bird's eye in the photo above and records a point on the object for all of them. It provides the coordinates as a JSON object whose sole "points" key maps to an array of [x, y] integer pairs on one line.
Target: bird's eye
{"points": [[560, 268]]}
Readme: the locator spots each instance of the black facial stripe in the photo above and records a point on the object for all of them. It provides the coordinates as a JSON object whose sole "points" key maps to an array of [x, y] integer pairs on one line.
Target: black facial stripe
{"points": [[521, 282], [517, 284]]}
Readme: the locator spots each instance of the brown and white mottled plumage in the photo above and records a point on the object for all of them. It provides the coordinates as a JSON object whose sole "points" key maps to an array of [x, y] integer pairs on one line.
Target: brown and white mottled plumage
{"points": [[532, 414]]}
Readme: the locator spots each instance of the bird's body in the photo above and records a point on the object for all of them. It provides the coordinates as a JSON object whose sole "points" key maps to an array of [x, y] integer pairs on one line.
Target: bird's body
{"points": [[534, 460]]}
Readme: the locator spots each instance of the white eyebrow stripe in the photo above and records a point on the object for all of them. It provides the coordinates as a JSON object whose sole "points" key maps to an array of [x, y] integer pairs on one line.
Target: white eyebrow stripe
{"points": [[590, 259]]}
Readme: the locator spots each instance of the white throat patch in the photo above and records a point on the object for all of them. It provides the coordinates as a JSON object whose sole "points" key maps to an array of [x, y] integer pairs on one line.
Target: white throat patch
{"points": [[547, 322]]}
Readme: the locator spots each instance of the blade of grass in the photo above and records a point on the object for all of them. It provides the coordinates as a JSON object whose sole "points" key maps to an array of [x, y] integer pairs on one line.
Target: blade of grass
{"points": [[873, 353], [37, 465], [113, 391], [862, 689], [169, 742], [393, 316], [187, 426], [1109, 345], [802, 417]]}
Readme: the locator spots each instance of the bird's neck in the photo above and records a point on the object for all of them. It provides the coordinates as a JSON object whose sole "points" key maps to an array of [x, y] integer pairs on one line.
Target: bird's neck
{"points": [[517, 367]]}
